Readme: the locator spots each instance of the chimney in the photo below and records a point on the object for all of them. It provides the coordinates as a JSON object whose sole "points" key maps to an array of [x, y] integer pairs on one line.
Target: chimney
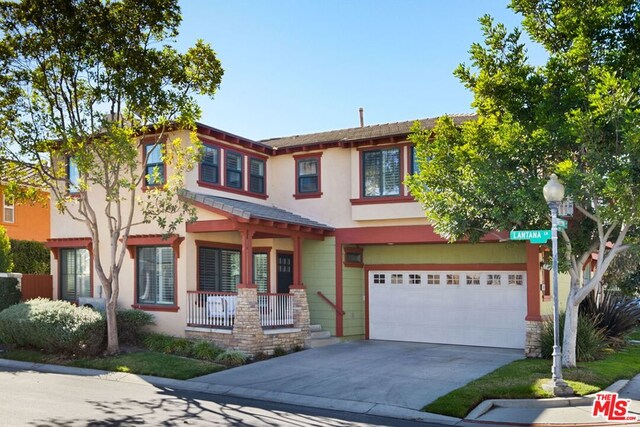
{"points": [[361, 110]]}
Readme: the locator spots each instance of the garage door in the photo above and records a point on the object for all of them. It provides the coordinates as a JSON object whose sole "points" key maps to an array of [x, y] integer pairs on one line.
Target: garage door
{"points": [[480, 308]]}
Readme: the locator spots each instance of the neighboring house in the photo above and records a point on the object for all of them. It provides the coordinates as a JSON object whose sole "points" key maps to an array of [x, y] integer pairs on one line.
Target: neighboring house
{"points": [[321, 219], [25, 221]]}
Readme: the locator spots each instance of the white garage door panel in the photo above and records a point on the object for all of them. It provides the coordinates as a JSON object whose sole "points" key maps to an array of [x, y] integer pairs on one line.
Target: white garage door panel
{"points": [[483, 315]]}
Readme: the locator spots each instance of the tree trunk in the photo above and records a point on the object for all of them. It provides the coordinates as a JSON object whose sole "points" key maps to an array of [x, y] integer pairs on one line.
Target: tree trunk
{"points": [[569, 342], [113, 346]]}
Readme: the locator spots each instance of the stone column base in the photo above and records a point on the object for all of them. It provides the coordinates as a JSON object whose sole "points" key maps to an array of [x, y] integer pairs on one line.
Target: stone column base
{"points": [[532, 346]]}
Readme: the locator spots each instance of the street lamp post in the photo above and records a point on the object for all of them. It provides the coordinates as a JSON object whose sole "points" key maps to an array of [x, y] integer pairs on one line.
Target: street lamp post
{"points": [[554, 193]]}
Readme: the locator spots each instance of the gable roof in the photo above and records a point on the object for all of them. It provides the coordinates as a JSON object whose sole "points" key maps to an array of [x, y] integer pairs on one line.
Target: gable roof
{"points": [[27, 175], [359, 133], [249, 210]]}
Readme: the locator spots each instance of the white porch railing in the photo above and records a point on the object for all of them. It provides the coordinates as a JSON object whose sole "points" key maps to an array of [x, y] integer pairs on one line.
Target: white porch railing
{"points": [[211, 309], [276, 310]]}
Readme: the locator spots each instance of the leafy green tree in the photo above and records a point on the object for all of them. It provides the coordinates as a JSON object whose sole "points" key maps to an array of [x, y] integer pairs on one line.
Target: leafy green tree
{"points": [[30, 257], [6, 260], [85, 80], [577, 115]]}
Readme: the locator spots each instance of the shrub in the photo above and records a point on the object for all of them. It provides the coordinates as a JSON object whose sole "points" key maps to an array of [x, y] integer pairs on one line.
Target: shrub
{"points": [[205, 350], [30, 257], [616, 315], [53, 327], [9, 292], [279, 351], [180, 347], [131, 324], [232, 358], [6, 262], [158, 342], [590, 341]]}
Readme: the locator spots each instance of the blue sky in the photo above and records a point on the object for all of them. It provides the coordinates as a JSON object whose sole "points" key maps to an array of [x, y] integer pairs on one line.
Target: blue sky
{"points": [[302, 66]]}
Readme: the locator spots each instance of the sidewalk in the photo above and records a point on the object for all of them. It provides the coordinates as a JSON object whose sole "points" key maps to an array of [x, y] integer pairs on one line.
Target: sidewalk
{"points": [[543, 412]]}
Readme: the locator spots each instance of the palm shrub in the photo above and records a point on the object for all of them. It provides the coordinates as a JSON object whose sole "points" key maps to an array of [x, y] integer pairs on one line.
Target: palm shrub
{"points": [[591, 342], [9, 292], [131, 325], [53, 327], [232, 358], [616, 315]]}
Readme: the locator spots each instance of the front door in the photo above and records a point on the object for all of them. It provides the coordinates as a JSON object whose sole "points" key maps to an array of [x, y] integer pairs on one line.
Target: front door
{"points": [[285, 272]]}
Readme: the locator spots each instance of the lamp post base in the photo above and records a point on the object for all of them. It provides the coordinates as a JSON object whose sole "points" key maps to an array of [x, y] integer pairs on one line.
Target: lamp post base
{"points": [[559, 388]]}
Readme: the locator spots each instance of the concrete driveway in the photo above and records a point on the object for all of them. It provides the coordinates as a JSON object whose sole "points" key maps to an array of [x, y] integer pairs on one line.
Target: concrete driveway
{"points": [[407, 375]]}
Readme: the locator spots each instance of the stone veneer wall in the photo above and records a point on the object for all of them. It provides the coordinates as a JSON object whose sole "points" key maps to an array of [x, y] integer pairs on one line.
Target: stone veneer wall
{"points": [[532, 339], [247, 334]]}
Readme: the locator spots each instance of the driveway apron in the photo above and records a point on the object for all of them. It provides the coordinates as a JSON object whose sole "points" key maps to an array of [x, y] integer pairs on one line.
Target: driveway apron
{"points": [[408, 375]]}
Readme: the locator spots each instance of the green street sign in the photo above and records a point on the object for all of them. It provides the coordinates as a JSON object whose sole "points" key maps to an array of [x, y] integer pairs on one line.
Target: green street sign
{"points": [[534, 236], [563, 224]]}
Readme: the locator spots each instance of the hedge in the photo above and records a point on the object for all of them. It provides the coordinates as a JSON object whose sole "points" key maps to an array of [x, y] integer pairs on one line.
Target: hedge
{"points": [[9, 292], [53, 327], [30, 257]]}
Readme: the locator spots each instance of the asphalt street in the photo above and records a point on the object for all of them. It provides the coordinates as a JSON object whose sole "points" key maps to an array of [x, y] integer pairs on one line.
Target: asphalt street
{"points": [[30, 398]]}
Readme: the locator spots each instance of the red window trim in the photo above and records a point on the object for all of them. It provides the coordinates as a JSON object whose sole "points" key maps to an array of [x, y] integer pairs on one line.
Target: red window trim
{"points": [[264, 177], [382, 199], [243, 170], [81, 243], [307, 156], [351, 249], [133, 252], [144, 143], [222, 164]]}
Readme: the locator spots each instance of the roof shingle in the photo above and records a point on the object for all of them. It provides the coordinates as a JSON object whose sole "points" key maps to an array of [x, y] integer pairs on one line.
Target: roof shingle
{"points": [[359, 133], [250, 210]]}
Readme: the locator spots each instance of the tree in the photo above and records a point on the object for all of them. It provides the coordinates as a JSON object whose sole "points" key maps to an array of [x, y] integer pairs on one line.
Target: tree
{"points": [[578, 116], [81, 81], [6, 258]]}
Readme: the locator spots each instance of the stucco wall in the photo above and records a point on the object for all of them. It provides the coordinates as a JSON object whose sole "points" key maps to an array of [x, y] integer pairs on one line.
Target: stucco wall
{"points": [[31, 221]]}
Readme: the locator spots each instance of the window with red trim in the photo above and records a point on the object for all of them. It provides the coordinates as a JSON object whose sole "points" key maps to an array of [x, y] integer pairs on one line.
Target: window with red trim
{"points": [[210, 165], [256, 175], [73, 176], [381, 172], [74, 273], [233, 172], [308, 176], [155, 275], [154, 166]]}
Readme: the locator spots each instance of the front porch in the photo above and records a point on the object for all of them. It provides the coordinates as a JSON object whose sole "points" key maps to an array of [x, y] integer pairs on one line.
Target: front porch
{"points": [[248, 321], [236, 302]]}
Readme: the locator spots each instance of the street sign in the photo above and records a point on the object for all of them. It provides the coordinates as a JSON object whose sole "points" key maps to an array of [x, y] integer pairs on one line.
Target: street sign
{"points": [[563, 224], [534, 236]]}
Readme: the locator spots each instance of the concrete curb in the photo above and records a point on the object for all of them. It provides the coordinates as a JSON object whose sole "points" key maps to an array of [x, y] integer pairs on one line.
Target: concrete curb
{"points": [[555, 402], [369, 408]]}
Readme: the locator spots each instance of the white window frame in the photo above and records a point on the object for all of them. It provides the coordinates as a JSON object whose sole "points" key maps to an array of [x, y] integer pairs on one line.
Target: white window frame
{"points": [[8, 207]]}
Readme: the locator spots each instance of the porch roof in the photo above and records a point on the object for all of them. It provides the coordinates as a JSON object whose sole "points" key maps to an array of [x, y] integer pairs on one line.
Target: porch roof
{"points": [[249, 210]]}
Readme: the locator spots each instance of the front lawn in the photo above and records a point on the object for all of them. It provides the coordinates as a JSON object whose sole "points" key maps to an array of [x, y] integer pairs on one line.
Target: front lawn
{"points": [[523, 379], [141, 363]]}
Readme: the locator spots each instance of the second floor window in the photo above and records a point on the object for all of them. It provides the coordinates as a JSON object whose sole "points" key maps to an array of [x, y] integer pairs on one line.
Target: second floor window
{"points": [[234, 170], [381, 172], [210, 166], [308, 176], [8, 212], [153, 155], [256, 176], [73, 176]]}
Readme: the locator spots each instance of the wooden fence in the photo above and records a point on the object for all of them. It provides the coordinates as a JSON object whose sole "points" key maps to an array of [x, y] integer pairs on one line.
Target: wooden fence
{"points": [[36, 285]]}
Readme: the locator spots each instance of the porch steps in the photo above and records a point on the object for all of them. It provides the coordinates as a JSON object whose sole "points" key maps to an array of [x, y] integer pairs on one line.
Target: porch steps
{"points": [[319, 338]]}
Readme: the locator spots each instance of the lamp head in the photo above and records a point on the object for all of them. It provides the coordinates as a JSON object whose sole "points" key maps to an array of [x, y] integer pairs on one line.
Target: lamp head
{"points": [[553, 191]]}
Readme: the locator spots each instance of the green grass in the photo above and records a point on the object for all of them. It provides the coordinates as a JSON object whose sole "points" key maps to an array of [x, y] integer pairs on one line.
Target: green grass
{"points": [[523, 379], [141, 363], [635, 335]]}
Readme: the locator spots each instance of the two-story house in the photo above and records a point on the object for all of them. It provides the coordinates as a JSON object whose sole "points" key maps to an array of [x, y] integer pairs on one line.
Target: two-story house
{"points": [[320, 229]]}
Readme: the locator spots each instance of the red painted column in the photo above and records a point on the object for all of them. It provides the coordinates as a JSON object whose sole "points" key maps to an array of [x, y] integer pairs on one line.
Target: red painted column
{"points": [[297, 262], [246, 277], [533, 282]]}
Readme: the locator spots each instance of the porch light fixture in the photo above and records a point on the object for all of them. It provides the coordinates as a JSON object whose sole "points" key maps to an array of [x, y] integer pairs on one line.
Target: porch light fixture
{"points": [[553, 192]]}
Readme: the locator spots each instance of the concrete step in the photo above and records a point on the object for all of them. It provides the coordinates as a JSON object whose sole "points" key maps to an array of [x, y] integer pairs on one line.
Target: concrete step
{"points": [[321, 342], [315, 328], [320, 334]]}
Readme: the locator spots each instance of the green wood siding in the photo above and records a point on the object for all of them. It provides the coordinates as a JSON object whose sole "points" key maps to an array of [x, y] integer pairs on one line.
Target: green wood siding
{"points": [[446, 253], [319, 274], [353, 291]]}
